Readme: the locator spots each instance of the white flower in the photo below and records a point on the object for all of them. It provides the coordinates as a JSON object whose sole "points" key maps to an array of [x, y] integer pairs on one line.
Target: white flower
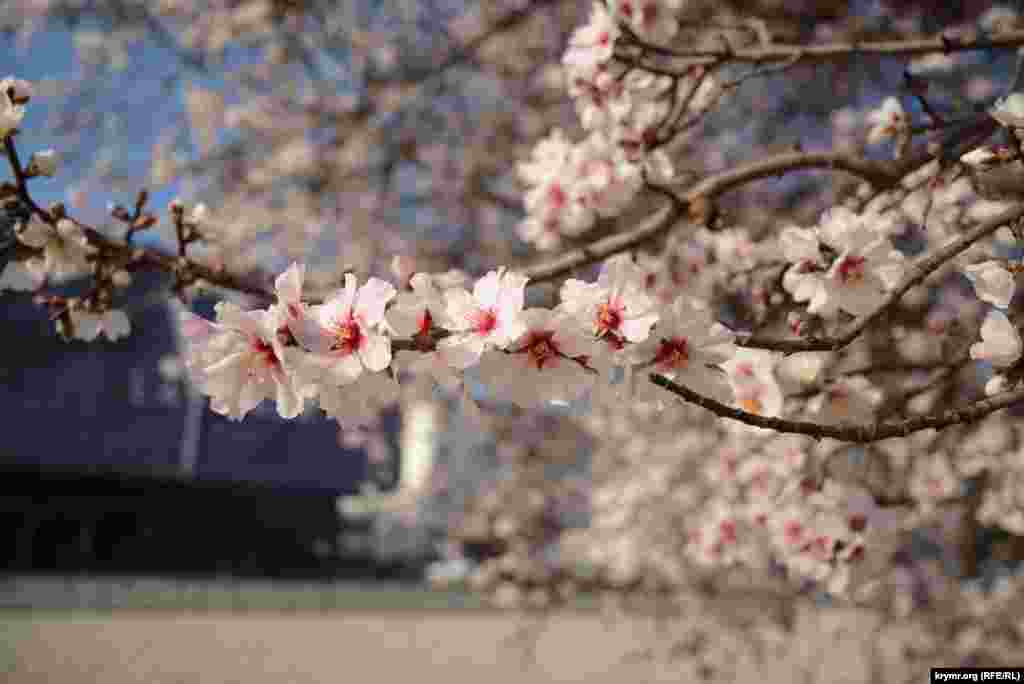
{"points": [[992, 283], [288, 288], [888, 121], [17, 90], [87, 325], [416, 313], [734, 249], [981, 157], [605, 181], [343, 334], [488, 318], [933, 479], [14, 93], [685, 348], [43, 163], [601, 99], [800, 247], [865, 268], [1000, 342], [637, 130], [239, 361], [616, 306], [751, 373], [996, 384], [359, 402], [435, 364], [849, 400], [593, 43], [545, 363], [65, 249], [652, 20], [1009, 111]]}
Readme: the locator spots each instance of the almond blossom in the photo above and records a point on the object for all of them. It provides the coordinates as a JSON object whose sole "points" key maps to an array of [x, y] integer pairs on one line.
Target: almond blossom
{"points": [[751, 374], [88, 325], [14, 93], [43, 163], [888, 121], [848, 400], [1000, 341], [865, 269], [488, 318], [1009, 111], [992, 283], [686, 348], [592, 44], [933, 479], [651, 20], [416, 313], [359, 402], [344, 334], [546, 363], [616, 306], [239, 361]]}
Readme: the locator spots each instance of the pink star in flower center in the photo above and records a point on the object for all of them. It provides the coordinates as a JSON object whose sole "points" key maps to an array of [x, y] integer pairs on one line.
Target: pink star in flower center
{"points": [[541, 348], [609, 317], [484, 321], [348, 335], [851, 269], [673, 354], [266, 353]]}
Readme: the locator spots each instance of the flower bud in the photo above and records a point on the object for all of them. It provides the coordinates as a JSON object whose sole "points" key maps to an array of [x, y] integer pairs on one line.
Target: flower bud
{"points": [[17, 90], [121, 278], [43, 163]]}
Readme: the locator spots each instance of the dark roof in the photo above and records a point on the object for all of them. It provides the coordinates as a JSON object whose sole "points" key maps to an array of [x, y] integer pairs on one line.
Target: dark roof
{"points": [[103, 406]]}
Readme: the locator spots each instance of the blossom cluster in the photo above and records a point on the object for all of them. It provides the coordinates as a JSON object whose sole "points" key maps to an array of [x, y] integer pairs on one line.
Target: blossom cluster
{"points": [[626, 113], [340, 352]]}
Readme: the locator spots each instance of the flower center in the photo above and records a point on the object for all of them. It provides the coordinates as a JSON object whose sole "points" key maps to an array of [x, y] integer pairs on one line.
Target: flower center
{"points": [[265, 351], [426, 323], [673, 354], [649, 13], [794, 531], [541, 349], [556, 195], [749, 400], [609, 317], [348, 336], [485, 321], [851, 269], [727, 530]]}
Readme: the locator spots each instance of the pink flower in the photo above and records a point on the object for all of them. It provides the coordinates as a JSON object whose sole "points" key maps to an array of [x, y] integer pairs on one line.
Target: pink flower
{"points": [[546, 362], [487, 319], [344, 335], [239, 361], [616, 306], [1000, 342]]}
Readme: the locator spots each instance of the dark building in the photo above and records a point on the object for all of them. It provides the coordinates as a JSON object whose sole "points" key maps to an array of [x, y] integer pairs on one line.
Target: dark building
{"points": [[109, 464]]}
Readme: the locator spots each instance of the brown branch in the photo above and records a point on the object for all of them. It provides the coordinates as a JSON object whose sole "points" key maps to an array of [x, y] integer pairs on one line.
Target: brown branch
{"points": [[915, 276], [882, 174], [862, 434], [602, 249], [841, 51], [184, 269]]}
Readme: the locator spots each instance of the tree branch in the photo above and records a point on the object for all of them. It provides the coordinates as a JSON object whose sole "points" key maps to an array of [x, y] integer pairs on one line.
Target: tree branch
{"points": [[862, 434], [881, 174], [915, 276], [841, 51]]}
